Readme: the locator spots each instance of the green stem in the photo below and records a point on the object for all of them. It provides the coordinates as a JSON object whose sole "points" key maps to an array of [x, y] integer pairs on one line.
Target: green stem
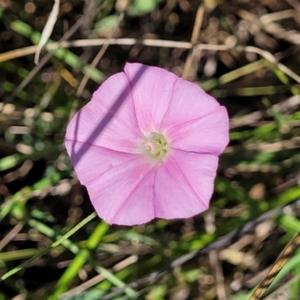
{"points": [[53, 245]]}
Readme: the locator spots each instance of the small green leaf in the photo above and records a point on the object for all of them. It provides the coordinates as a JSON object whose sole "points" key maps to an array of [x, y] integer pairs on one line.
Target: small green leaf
{"points": [[142, 7], [9, 162]]}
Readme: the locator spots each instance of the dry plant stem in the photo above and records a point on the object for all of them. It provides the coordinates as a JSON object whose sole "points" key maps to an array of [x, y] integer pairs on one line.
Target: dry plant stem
{"points": [[93, 65], [97, 59], [163, 43], [276, 268], [218, 272], [189, 71], [221, 242], [277, 16], [267, 24], [98, 278], [281, 107], [268, 56], [47, 30], [214, 259], [294, 3], [86, 77], [272, 296], [45, 59], [58, 241], [9, 236], [292, 143]]}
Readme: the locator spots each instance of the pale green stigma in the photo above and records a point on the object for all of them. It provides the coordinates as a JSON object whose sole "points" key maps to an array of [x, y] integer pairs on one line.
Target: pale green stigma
{"points": [[156, 146]]}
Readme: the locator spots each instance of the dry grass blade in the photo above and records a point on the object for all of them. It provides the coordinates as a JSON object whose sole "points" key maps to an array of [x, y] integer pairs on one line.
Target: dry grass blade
{"points": [[45, 59], [276, 268], [188, 71], [47, 30]]}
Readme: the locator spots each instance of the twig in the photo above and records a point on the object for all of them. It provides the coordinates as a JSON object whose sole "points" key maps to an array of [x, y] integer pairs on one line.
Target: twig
{"points": [[45, 59], [100, 277], [10, 235], [283, 287], [221, 242], [47, 30], [188, 71], [97, 59], [158, 43], [210, 227], [276, 268]]}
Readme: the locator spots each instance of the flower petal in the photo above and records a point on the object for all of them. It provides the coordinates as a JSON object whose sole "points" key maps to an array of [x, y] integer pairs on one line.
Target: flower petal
{"points": [[188, 102], [208, 134], [139, 207], [152, 90], [184, 185], [123, 194], [108, 120], [200, 172], [94, 160]]}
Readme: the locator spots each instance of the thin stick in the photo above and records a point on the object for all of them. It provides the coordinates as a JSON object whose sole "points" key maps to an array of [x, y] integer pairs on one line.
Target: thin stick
{"points": [[187, 71], [219, 243], [59, 240], [44, 60], [97, 59], [276, 268], [162, 43]]}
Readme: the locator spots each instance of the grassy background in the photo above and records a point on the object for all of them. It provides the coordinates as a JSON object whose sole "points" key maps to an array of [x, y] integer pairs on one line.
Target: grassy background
{"points": [[245, 53]]}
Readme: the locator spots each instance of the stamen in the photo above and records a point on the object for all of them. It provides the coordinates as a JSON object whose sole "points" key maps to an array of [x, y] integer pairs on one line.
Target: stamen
{"points": [[156, 146]]}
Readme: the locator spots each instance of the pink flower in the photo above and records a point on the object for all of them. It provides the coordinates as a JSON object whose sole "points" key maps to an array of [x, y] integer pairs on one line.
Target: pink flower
{"points": [[146, 146]]}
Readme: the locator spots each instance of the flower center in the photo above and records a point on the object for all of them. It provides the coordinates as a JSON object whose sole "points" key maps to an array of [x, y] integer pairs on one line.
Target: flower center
{"points": [[156, 146]]}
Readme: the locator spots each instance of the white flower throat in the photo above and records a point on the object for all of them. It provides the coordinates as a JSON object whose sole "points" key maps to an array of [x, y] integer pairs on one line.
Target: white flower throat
{"points": [[156, 146]]}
